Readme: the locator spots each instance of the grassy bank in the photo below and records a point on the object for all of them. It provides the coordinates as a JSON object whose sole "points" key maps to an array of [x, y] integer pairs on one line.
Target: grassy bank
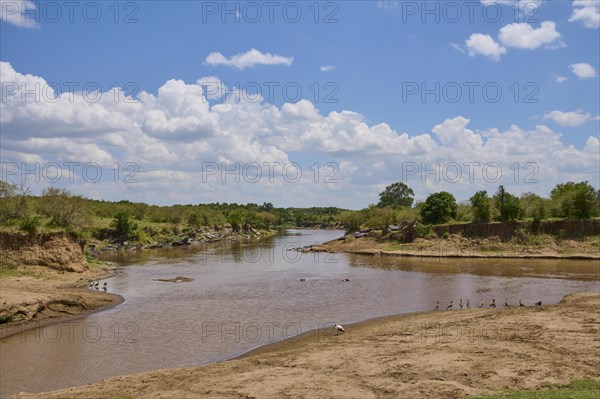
{"points": [[585, 389]]}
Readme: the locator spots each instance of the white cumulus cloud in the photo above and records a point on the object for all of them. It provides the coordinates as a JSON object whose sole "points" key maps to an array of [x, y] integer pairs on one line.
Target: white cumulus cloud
{"points": [[172, 133], [583, 70], [573, 118], [587, 12], [249, 59], [18, 13], [484, 45], [525, 36]]}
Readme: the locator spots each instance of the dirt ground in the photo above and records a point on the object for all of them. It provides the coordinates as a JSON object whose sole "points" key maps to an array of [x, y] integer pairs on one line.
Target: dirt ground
{"points": [[458, 246], [441, 354], [38, 295]]}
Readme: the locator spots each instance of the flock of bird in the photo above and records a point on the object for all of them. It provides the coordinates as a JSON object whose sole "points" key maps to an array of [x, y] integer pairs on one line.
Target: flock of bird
{"points": [[467, 304], [96, 285]]}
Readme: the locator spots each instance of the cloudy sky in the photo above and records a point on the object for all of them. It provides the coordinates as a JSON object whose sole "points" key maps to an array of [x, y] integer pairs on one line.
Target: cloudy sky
{"points": [[298, 103]]}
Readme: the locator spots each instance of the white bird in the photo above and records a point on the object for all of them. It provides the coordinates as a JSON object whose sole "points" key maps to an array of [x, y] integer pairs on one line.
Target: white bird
{"points": [[339, 328]]}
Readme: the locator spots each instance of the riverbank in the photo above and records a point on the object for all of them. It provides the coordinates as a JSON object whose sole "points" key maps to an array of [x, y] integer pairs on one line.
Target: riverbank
{"points": [[36, 296], [443, 354], [457, 246], [44, 277]]}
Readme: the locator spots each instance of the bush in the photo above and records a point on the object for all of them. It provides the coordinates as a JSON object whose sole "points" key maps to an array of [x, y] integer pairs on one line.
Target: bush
{"points": [[30, 224], [424, 229]]}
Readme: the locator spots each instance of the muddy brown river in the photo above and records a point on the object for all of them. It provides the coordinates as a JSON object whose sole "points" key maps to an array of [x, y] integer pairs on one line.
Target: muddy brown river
{"points": [[245, 295]]}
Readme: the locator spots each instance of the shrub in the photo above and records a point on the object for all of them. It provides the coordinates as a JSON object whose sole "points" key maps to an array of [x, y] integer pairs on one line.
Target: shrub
{"points": [[30, 224]]}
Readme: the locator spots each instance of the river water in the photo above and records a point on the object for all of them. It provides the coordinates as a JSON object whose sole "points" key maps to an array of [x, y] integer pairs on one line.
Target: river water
{"points": [[245, 295]]}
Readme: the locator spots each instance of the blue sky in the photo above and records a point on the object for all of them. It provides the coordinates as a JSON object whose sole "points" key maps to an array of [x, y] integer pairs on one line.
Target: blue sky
{"points": [[370, 59]]}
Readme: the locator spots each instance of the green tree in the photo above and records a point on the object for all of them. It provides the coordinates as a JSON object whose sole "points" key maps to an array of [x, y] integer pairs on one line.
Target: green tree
{"points": [[533, 206], [481, 206], [378, 218], [267, 207], [267, 219], [124, 227], [507, 205], [574, 200], [194, 220], [236, 219], [396, 195], [352, 220], [438, 208], [14, 202], [64, 209]]}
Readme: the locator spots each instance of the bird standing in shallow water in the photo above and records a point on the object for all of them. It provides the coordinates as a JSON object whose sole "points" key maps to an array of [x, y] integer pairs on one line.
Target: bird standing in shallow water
{"points": [[538, 303], [450, 305], [437, 305], [460, 304], [339, 328], [521, 303], [506, 302], [468, 303], [493, 304], [481, 304]]}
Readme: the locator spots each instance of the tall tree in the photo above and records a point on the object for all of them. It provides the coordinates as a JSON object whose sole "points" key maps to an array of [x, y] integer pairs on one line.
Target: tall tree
{"points": [[574, 200], [439, 208], [481, 206], [396, 195], [507, 204]]}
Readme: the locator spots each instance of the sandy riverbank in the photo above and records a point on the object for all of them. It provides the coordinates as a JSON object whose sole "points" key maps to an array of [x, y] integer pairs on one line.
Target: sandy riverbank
{"points": [[37, 296], [456, 246], [443, 354]]}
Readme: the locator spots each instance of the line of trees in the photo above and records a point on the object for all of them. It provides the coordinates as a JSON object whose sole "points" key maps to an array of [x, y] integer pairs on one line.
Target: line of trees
{"points": [[57, 208], [60, 209], [567, 200]]}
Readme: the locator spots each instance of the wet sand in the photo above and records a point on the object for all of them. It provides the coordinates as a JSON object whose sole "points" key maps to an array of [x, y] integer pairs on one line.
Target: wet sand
{"points": [[440, 354]]}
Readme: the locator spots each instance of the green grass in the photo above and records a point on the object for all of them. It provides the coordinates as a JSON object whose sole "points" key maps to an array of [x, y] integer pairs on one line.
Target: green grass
{"points": [[584, 389]]}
